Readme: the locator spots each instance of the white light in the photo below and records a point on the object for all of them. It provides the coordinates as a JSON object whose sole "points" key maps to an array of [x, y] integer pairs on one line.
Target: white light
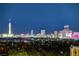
{"points": [[9, 26], [7, 35], [66, 26]]}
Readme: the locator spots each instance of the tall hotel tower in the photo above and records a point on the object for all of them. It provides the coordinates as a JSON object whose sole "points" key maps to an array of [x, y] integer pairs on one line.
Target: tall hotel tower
{"points": [[9, 34], [9, 30]]}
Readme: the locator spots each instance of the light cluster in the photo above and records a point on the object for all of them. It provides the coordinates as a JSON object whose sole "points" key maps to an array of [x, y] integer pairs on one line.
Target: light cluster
{"points": [[66, 33]]}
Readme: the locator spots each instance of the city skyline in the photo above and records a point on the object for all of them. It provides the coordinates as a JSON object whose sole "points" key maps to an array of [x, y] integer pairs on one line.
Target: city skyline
{"points": [[65, 33], [39, 29], [50, 17], [43, 31], [31, 31]]}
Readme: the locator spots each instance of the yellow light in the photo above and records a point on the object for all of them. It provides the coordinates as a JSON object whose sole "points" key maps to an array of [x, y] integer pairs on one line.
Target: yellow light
{"points": [[7, 35], [10, 35], [4, 35]]}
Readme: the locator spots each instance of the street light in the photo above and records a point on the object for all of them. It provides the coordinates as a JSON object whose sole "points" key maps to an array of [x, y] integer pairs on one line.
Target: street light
{"points": [[61, 52]]}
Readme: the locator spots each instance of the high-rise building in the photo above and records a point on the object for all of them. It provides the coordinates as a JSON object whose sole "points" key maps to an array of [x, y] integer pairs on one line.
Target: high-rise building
{"points": [[66, 28], [60, 34], [43, 32], [75, 35], [66, 31], [55, 34], [9, 34], [69, 34], [32, 32]]}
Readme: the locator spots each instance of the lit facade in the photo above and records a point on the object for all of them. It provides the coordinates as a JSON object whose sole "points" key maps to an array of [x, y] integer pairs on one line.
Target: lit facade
{"points": [[32, 32], [55, 34], [60, 34], [7, 35], [43, 32], [74, 51], [66, 33], [75, 35]]}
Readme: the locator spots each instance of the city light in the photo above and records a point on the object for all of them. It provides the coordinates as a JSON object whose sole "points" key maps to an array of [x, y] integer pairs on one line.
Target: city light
{"points": [[40, 41], [66, 33], [75, 35]]}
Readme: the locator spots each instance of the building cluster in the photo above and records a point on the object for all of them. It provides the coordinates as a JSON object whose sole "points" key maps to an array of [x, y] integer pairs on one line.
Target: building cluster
{"points": [[66, 33]]}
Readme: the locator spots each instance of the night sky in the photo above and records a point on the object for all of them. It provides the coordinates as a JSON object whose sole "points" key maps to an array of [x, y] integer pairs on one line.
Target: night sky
{"points": [[38, 16]]}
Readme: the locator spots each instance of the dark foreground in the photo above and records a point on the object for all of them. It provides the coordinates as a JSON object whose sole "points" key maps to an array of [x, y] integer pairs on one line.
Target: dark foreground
{"points": [[37, 48]]}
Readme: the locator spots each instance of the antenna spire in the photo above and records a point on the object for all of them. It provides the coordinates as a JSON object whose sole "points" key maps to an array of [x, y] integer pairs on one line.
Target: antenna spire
{"points": [[9, 20]]}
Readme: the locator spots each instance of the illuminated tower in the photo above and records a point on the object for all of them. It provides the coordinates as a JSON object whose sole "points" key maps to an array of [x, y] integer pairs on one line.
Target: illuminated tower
{"points": [[9, 31], [32, 32], [9, 34]]}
